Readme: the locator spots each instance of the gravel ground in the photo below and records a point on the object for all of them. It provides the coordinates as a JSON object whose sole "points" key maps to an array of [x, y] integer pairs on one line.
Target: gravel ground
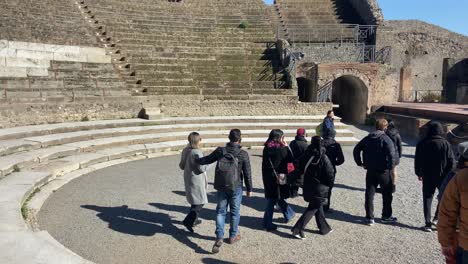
{"points": [[132, 213]]}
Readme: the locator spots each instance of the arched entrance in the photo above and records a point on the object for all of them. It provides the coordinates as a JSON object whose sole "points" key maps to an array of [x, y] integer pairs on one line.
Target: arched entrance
{"points": [[351, 95], [305, 89], [456, 86]]}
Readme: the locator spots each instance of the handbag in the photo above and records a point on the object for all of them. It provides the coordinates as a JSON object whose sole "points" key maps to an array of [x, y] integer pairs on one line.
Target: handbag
{"points": [[280, 178]]}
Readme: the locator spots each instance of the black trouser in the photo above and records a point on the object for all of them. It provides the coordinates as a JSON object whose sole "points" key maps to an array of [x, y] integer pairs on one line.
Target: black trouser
{"points": [[429, 189], [314, 208], [193, 214], [373, 179], [462, 256], [326, 207]]}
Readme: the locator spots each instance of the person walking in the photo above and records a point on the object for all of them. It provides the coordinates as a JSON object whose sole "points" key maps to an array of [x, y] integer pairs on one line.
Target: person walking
{"points": [[276, 155], [298, 147], [328, 123], [318, 176], [232, 169], [378, 158], [334, 153], [432, 163], [195, 180], [393, 133], [453, 212]]}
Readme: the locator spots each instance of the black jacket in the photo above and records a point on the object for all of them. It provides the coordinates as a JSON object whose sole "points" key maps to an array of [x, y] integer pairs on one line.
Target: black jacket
{"points": [[298, 146], [280, 157], [378, 152], [334, 152], [317, 178], [394, 135], [245, 169], [434, 157]]}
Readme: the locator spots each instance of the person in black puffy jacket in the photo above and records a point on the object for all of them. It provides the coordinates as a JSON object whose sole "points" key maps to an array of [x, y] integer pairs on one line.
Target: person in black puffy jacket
{"points": [[432, 163], [378, 158], [298, 147], [335, 154], [318, 176]]}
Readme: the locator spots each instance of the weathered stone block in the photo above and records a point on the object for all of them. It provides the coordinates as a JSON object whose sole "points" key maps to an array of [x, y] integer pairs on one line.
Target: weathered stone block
{"points": [[13, 72], [35, 54], [70, 57], [37, 72], [99, 58], [27, 62], [92, 51]]}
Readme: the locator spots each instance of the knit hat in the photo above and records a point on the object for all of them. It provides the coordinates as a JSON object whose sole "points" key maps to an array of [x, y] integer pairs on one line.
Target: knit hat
{"points": [[463, 149], [301, 132]]}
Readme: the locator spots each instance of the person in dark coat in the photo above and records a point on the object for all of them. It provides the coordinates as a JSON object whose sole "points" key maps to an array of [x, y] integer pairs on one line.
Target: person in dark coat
{"points": [[318, 176], [432, 163], [276, 156], [393, 133], [298, 147], [328, 122], [378, 158], [334, 153]]}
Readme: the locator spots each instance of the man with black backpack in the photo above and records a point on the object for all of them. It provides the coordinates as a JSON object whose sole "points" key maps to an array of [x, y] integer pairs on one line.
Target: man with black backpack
{"points": [[232, 169]]}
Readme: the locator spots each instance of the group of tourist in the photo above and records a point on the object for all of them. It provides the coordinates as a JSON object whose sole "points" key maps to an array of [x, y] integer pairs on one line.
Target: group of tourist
{"points": [[312, 167]]}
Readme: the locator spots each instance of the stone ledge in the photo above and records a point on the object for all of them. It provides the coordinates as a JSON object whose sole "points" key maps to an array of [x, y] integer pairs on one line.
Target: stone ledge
{"points": [[26, 246]]}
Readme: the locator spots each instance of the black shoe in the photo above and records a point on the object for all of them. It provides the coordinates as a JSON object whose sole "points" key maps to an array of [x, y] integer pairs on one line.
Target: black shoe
{"points": [[427, 228], [189, 227], [217, 245], [197, 222], [271, 228], [298, 234]]}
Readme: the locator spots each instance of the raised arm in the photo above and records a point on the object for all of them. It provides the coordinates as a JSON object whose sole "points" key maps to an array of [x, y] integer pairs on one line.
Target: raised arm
{"points": [[213, 157]]}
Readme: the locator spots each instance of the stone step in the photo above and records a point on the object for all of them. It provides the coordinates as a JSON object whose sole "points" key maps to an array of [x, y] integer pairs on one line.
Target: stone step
{"points": [[31, 143]]}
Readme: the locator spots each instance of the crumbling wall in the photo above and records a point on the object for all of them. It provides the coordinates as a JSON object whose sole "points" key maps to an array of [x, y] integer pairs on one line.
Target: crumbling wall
{"points": [[422, 47]]}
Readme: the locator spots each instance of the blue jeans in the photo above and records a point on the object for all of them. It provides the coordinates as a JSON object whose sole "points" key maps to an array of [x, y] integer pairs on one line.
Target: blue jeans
{"points": [[462, 256], [233, 199], [288, 212]]}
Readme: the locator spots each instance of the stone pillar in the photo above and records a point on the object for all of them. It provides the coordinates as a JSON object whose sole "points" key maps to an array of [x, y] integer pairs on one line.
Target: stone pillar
{"points": [[405, 84]]}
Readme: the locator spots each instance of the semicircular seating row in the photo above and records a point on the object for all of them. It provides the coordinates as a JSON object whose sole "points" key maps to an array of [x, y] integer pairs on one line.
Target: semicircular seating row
{"points": [[33, 156]]}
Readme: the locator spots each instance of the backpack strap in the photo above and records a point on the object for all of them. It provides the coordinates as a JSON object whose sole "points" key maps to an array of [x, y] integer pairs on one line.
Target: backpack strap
{"points": [[308, 163]]}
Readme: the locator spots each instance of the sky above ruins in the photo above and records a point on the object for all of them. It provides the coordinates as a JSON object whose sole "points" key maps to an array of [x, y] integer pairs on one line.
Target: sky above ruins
{"points": [[450, 14]]}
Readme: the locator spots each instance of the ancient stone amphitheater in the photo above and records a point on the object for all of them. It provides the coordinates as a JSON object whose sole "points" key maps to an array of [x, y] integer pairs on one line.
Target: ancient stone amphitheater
{"points": [[76, 76]]}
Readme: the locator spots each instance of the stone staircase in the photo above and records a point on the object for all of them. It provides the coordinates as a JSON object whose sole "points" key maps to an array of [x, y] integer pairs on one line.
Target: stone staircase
{"points": [[316, 21], [45, 21], [183, 48]]}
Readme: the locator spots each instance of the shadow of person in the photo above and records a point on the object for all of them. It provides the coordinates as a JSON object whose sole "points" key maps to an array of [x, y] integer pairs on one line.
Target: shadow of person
{"points": [[216, 261], [250, 222], [352, 188], [144, 223]]}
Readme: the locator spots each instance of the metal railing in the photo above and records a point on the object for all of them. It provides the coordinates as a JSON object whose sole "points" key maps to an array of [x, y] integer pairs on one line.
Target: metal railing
{"points": [[324, 93], [328, 33]]}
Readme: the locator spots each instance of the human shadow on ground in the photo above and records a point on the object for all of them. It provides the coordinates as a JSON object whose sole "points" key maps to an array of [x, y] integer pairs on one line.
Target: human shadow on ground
{"points": [[216, 261], [410, 156], [352, 188], [144, 223]]}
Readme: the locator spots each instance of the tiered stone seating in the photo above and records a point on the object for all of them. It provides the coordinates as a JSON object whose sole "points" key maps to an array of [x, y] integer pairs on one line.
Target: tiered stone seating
{"points": [[186, 48], [41, 72], [48, 156], [45, 21], [315, 21]]}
